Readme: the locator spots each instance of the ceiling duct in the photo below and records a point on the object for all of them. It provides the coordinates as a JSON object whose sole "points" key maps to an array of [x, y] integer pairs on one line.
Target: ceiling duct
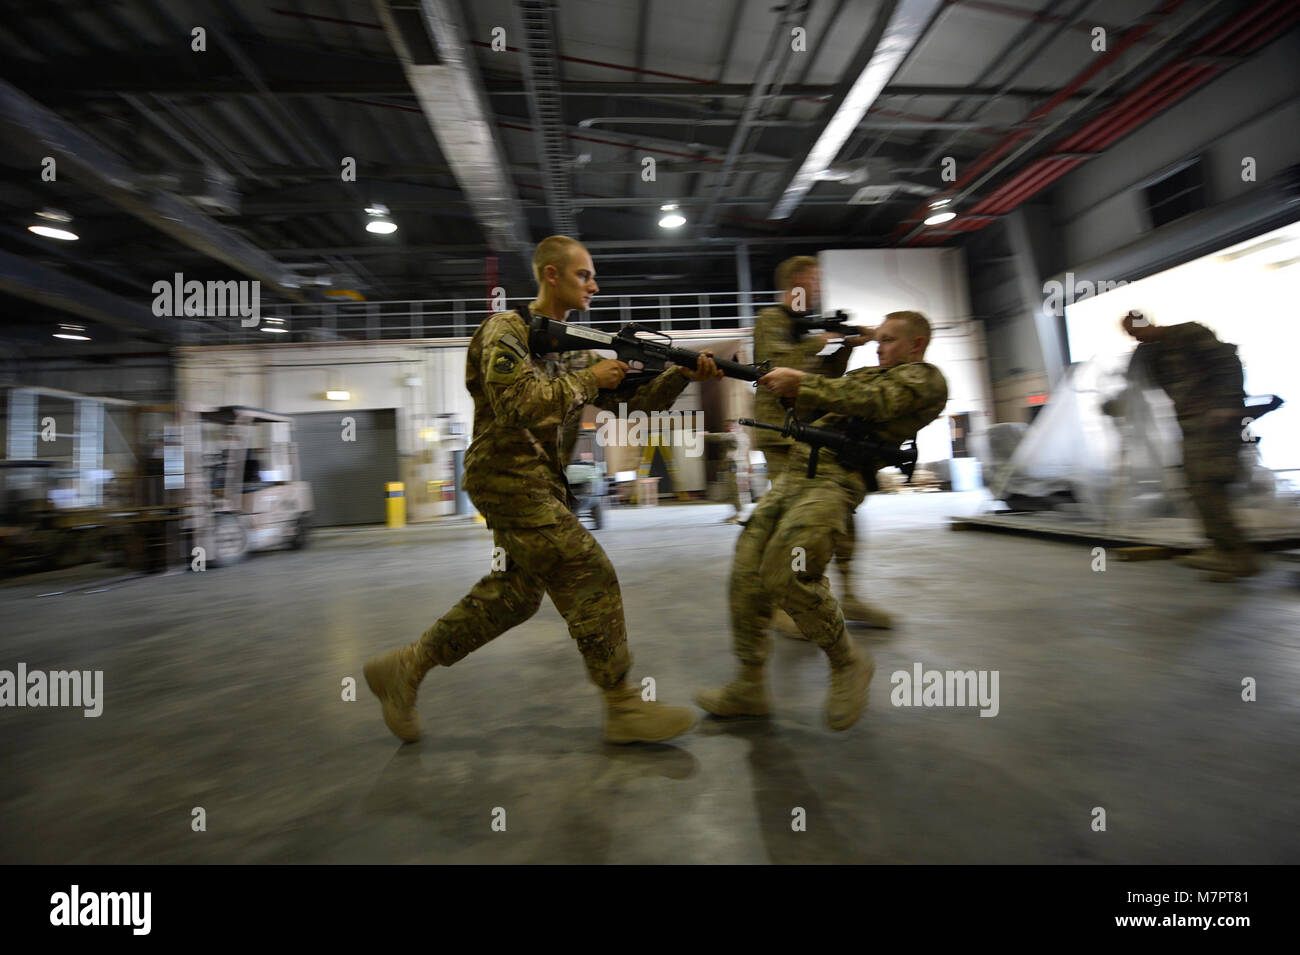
{"points": [[876, 62], [541, 82], [38, 283], [103, 172], [430, 40]]}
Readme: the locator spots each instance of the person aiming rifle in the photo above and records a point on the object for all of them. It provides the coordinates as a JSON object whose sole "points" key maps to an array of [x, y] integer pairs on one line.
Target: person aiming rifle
{"points": [[527, 411], [782, 555], [784, 337]]}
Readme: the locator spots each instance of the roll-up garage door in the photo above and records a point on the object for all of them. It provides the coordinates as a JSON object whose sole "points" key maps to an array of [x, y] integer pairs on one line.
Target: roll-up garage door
{"points": [[347, 477]]}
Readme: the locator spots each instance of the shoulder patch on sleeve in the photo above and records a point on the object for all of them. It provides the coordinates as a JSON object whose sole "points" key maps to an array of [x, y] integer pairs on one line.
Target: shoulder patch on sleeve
{"points": [[503, 364], [513, 343]]}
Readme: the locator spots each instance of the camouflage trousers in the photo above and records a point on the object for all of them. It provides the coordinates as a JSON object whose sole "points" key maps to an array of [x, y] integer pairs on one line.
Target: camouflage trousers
{"points": [[781, 560], [846, 543], [1212, 461], [562, 560]]}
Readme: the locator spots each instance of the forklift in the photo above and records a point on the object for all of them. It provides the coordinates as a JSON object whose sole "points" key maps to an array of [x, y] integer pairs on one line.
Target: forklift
{"points": [[256, 498]]}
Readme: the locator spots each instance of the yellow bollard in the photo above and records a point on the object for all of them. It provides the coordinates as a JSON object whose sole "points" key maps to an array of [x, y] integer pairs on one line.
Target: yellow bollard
{"points": [[395, 498]]}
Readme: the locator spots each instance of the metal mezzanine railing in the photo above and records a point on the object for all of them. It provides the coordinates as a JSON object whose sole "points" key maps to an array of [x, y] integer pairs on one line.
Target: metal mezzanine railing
{"points": [[458, 318]]}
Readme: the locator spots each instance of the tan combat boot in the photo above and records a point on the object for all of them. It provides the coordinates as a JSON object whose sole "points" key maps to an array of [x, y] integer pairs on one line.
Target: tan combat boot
{"points": [[630, 719], [1232, 565], [784, 624], [395, 678], [1209, 558], [860, 611], [746, 695], [851, 671]]}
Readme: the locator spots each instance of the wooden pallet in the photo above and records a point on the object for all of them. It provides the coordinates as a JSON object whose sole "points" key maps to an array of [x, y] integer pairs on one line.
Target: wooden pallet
{"points": [[1146, 540]]}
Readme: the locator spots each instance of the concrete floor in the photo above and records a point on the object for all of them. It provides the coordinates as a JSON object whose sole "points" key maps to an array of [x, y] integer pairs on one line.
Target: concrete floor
{"points": [[1118, 689]]}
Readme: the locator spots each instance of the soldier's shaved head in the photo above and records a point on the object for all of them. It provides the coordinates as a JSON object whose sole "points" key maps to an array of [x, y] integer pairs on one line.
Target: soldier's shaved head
{"points": [[566, 276], [902, 337], [917, 325], [790, 270], [553, 250]]}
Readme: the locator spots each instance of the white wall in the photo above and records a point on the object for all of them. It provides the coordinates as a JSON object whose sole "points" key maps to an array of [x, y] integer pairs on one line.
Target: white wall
{"points": [[292, 379], [868, 283], [1247, 299]]}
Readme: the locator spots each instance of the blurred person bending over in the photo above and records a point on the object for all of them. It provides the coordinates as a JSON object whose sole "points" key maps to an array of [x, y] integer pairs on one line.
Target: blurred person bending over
{"points": [[527, 412], [782, 555], [777, 339], [1203, 378]]}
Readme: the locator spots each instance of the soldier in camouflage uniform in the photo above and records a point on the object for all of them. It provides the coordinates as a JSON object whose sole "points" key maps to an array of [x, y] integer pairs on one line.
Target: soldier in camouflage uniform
{"points": [[782, 555], [1203, 378], [527, 412], [777, 340]]}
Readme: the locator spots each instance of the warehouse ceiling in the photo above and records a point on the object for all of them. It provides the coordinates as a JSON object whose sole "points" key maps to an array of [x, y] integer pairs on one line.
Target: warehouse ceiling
{"points": [[483, 126]]}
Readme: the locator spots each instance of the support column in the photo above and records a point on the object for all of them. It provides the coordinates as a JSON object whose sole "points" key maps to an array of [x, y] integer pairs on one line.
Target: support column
{"points": [[21, 445], [88, 451], [746, 286]]}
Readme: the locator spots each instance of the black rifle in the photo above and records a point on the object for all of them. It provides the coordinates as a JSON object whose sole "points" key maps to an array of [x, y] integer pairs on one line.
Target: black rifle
{"points": [[856, 448], [652, 355], [838, 322]]}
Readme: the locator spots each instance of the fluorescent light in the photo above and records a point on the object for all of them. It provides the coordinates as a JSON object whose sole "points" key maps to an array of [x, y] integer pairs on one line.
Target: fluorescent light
{"points": [[275, 329], [338, 395], [671, 218], [939, 203], [74, 333], [379, 222], [52, 233], [939, 217]]}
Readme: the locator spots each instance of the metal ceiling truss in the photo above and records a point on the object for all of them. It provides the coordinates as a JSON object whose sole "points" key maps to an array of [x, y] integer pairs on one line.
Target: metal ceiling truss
{"points": [[541, 80]]}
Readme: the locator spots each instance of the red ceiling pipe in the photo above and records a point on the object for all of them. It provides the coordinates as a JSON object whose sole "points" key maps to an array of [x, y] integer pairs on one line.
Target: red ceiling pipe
{"points": [[989, 156], [1053, 173], [1248, 26], [1247, 33], [1109, 127], [1033, 178], [1078, 141]]}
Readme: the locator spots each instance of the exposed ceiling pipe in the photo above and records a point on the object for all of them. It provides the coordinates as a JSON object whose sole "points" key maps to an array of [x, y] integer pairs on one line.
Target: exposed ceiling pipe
{"points": [[38, 283], [103, 172], [771, 63], [877, 59], [1067, 21], [969, 181], [775, 123], [1168, 85], [430, 42]]}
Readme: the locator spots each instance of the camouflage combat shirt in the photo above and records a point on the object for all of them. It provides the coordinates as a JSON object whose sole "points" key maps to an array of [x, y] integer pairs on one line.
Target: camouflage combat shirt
{"points": [[1198, 372], [895, 402], [776, 340], [527, 411]]}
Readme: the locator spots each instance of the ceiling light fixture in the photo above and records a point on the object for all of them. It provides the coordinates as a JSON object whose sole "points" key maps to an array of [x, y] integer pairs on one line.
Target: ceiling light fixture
{"points": [[940, 217], [939, 203], [671, 218], [53, 218], [74, 333], [380, 223]]}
